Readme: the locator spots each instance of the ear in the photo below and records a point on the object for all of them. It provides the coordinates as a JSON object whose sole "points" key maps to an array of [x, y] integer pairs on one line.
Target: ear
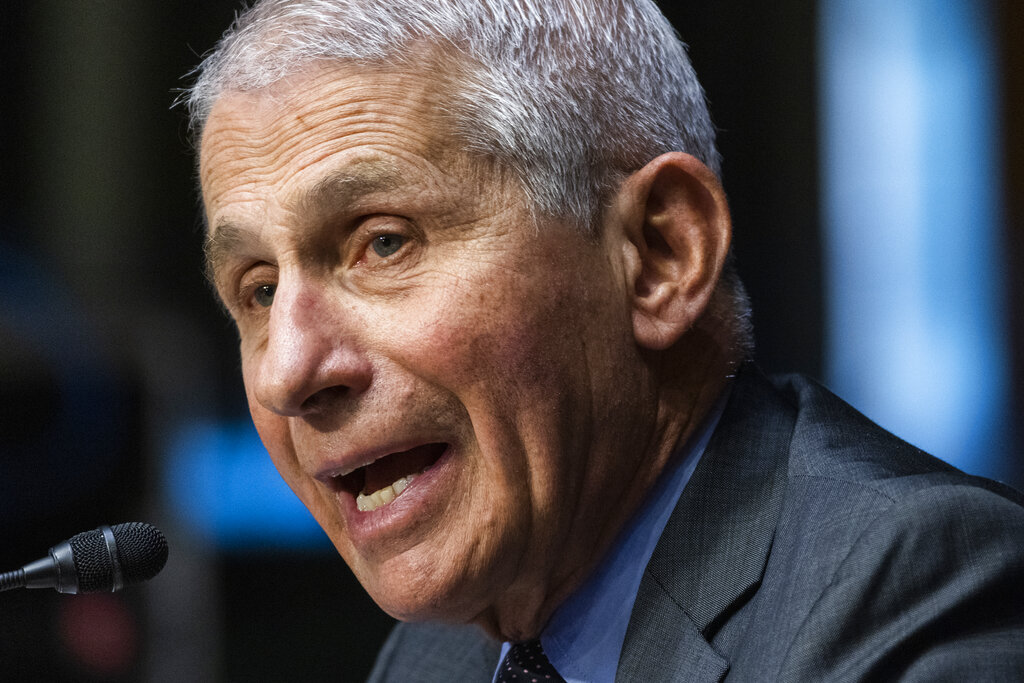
{"points": [[675, 221]]}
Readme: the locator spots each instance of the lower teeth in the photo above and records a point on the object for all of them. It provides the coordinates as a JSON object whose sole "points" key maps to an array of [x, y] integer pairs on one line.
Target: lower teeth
{"points": [[366, 502]]}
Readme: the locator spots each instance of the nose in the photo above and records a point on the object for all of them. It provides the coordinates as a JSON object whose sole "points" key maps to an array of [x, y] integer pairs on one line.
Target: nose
{"points": [[309, 357]]}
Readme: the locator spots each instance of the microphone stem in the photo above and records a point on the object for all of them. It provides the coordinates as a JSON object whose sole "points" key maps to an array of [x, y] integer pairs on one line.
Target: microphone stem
{"points": [[13, 579]]}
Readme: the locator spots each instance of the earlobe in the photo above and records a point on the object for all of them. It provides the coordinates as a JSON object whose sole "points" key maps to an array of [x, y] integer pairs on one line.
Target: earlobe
{"points": [[678, 229]]}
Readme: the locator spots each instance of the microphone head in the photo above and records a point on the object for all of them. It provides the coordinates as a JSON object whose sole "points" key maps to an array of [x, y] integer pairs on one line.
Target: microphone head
{"points": [[141, 551]]}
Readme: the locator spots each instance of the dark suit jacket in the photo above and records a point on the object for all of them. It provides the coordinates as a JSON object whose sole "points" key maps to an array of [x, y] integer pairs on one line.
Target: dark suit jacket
{"points": [[810, 545]]}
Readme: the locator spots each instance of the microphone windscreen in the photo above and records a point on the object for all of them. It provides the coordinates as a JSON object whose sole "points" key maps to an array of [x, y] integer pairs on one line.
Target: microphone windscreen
{"points": [[92, 560], [141, 550]]}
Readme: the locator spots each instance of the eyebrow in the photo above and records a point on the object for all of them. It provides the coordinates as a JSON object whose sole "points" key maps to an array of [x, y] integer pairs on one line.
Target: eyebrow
{"points": [[223, 240], [346, 186], [339, 188]]}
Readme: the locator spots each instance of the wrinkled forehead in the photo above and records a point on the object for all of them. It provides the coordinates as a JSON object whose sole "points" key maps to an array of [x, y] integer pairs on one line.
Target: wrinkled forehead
{"points": [[273, 147], [310, 108], [320, 103]]}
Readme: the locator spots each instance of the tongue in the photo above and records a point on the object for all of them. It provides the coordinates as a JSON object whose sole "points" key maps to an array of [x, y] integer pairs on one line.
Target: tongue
{"points": [[391, 468]]}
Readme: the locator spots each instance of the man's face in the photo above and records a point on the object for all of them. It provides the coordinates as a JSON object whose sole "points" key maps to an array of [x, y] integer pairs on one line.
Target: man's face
{"points": [[441, 381]]}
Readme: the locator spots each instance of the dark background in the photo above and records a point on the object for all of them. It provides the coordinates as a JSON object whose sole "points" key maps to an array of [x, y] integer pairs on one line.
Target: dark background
{"points": [[109, 336]]}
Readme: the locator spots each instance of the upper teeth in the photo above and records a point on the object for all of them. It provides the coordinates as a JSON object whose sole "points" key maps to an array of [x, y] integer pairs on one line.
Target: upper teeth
{"points": [[381, 497]]}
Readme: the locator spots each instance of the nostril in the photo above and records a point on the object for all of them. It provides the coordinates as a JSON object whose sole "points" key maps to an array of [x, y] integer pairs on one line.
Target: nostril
{"points": [[324, 398]]}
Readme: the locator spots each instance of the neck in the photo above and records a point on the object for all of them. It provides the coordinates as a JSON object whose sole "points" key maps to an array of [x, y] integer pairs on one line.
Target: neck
{"points": [[695, 372]]}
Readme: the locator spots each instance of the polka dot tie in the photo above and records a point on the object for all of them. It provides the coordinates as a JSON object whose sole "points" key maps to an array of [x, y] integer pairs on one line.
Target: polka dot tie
{"points": [[527, 663]]}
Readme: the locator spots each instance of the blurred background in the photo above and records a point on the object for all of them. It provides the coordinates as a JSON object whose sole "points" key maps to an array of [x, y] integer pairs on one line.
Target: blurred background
{"points": [[875, 163]]}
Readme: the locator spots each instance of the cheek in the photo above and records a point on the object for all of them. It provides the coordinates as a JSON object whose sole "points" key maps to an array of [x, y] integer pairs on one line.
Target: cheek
{"points": [[276, 437], [515, 362], [489, 330], [275, 434]]}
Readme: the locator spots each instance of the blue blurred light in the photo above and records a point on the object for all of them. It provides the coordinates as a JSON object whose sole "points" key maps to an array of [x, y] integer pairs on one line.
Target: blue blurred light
{"points": [[912, 208], [222, 483]]}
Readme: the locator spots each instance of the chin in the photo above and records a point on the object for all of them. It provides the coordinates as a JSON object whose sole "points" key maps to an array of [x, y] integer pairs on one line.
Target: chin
{"points": [[430, 591], [413, 606]]}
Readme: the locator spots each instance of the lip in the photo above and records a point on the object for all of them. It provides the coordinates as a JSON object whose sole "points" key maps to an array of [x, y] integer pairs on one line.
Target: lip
{"points": [[409, 510], [350, 462]]}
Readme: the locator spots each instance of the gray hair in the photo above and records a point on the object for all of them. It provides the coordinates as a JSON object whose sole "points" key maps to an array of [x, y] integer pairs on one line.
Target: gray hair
{"points": [[570, 96]]}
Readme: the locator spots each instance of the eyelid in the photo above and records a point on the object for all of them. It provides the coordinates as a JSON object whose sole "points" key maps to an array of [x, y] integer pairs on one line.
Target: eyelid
{"points": [[374, 225], [250, 280], [371, 227]]}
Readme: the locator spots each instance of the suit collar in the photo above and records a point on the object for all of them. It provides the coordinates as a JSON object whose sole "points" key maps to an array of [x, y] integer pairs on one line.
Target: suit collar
{"points": [[714, 549]]}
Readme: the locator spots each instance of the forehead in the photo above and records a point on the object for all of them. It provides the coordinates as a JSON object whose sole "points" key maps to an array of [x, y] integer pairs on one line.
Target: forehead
{"points": [[273, 139]]}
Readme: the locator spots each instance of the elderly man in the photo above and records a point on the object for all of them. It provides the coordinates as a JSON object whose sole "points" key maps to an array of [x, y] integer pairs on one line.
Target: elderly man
{"points": [[478, 257]]}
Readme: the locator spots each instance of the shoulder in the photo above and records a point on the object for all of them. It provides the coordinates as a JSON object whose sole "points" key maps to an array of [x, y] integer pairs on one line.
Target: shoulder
{"points": [[933, 584], [844, 480], [436, 652], [833, 441], [903, 566], [884, 561]]}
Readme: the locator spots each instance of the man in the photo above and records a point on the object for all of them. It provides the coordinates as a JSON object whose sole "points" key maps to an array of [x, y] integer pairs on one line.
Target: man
{"points": [[477, 254]]}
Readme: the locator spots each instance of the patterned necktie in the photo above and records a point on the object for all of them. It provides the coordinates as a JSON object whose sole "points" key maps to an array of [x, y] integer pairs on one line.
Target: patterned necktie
{"points": [[527, 663]]}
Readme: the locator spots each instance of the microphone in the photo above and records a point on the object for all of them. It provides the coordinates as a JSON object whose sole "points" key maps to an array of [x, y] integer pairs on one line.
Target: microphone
{"points": [[105, 559]]}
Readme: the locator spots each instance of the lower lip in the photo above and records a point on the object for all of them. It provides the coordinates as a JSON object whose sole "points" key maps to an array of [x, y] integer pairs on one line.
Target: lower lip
{"points": [[409, 508]]}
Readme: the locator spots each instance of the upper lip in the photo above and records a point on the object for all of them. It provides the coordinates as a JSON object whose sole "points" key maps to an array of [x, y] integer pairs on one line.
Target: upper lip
{"points": [[340, 466]]}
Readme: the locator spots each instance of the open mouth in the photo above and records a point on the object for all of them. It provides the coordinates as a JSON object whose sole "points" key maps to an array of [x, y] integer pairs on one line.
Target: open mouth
{"points": [[383, 480]]}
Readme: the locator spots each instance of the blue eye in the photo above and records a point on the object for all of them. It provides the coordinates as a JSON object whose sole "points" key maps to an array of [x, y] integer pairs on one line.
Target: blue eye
{"points": [[386, 245], [264, 294]]}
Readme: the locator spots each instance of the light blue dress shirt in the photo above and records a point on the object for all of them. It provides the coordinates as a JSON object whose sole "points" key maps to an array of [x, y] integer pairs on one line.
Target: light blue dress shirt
{"points": [[584, 638]]}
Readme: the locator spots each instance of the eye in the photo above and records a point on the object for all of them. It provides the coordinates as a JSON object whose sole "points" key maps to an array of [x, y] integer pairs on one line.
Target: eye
{"points": [[264, 295], [386, 245]]}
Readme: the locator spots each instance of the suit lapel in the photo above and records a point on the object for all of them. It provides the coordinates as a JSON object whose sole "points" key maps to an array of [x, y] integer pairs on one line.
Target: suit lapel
{"points": [[663, 644], [716, 543]]}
